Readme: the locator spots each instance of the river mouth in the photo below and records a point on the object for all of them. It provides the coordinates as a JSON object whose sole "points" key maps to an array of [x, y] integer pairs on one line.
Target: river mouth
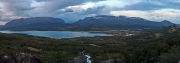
{"points": [[57, 34]]}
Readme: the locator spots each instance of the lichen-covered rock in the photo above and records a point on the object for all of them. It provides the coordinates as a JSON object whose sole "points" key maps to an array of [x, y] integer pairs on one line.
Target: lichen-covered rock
{"points": [[27, 58], [5, 59]]}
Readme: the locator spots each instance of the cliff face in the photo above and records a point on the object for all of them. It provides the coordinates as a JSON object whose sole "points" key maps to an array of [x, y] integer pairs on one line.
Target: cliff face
{"points": [[20, 58]]}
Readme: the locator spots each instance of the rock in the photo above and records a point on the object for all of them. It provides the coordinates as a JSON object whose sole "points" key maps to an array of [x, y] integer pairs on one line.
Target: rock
{"points": [[112, 61], [5, 59], [33, 49], [20, 58], [27, 58]]}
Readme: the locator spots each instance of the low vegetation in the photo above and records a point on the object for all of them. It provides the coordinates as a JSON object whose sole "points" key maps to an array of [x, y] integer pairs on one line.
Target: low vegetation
{"points": [[158, 46]]}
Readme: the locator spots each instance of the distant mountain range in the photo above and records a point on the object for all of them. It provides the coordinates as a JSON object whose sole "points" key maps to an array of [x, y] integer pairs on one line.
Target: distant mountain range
{"points": [[1, 26], [36, 23], [120, 22], [101, 22]]}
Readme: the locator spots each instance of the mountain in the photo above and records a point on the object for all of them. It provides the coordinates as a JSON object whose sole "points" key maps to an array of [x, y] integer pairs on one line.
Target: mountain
{"points": [[120, 22], [160, 46], [35, 23], [101, 22], [170, 29], [1, 26]]}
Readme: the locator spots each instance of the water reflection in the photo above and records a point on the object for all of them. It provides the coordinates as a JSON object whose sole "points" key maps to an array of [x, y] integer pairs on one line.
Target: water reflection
{"points": [[57, 34]]}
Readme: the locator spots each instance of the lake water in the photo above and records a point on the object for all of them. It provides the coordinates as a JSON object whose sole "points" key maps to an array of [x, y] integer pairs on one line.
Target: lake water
{"points": [[57, 34]]}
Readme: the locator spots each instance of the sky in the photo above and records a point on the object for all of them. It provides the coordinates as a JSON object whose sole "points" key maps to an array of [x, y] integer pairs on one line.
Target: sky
{"points": [[73, 10]]}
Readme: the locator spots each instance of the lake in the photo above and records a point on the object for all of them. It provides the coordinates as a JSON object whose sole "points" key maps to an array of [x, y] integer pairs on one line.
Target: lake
{"points": [[58, 34]]}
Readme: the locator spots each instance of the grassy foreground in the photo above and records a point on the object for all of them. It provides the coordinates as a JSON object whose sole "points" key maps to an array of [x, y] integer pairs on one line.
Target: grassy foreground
{"points": [[159, 46]]}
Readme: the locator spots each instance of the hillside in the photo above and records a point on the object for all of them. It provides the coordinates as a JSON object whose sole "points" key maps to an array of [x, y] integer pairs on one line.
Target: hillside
{"points": [[160, 45], [120, 22], [36, 23], [101, 22]]}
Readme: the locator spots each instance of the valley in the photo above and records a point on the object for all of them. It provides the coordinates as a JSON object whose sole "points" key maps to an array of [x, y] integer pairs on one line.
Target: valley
{"points": [[89, 31], [146, 46], [99, 39]]}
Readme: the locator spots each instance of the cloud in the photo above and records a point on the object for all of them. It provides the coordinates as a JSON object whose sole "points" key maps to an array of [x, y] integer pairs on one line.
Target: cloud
{"points": [[148, 5], [155, 15], [68, 10], [79, 1], [143, 6], [80, 14], [15, 6], [94, 10], [14, 9], [54, 5], [155, 10], [2, 23], [71, 10]]}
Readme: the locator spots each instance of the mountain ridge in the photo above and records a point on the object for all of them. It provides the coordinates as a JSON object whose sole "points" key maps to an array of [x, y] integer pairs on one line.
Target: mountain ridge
{"points": [[161, 45], [33, 23], [120, 22], [100, 22]]}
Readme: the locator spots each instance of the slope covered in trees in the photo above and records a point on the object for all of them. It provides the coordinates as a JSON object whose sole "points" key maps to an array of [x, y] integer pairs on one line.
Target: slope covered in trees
{"points": [[161, 45]]}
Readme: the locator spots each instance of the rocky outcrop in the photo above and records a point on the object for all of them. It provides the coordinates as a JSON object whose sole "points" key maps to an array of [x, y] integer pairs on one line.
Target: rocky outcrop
{"points": [[112, 61], [20, 58], [5, 59], [27, 58]]}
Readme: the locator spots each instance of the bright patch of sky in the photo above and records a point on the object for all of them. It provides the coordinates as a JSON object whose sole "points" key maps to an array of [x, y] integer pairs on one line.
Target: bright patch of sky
{"points": [[2, 22]]}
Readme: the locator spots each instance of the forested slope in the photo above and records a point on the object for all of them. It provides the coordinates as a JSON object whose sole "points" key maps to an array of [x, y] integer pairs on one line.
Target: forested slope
{"points": [[161, 45]]}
